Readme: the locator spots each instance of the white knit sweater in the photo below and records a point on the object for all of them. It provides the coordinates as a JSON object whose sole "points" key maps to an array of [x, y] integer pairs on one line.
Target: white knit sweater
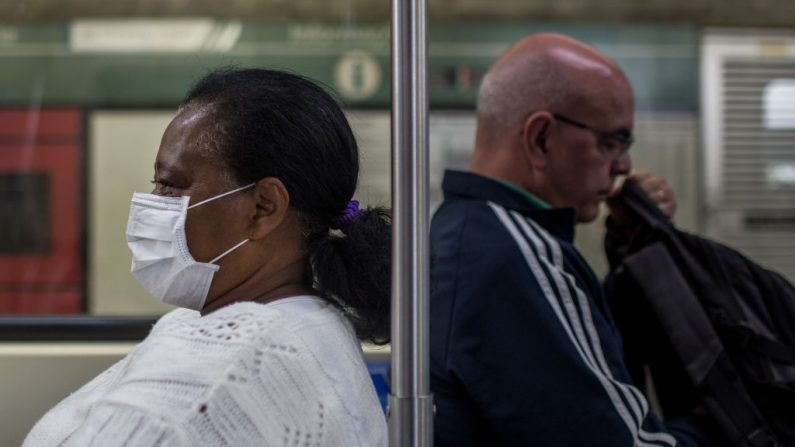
{"points": [[288, 373]]}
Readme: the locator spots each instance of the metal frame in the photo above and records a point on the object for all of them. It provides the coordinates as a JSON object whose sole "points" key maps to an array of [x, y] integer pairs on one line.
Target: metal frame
{"points": [[64, 328]]}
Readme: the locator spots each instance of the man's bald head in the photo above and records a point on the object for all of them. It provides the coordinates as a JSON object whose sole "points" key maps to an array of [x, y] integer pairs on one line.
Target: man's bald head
{"points": [[553, 114], [539, 72]]}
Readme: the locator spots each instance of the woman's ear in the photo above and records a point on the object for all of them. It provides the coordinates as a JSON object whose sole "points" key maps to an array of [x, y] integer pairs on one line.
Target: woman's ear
{"points": [[271, 201], [535, 133]]}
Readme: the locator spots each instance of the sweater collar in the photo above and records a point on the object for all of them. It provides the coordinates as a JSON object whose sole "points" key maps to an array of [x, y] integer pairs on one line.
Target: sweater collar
{"points": [[558, 221]]}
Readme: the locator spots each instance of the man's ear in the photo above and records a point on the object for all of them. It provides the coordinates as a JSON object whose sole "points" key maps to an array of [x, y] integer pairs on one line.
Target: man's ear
{"points": [[271, 201], [535, 137]]}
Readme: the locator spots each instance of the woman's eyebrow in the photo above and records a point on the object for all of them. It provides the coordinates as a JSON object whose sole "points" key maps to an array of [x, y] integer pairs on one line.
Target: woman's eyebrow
{"points": [[163, 167]]}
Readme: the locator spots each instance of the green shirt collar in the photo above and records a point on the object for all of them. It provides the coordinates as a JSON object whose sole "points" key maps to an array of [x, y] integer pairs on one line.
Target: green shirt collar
{"points": [[526, 194]]}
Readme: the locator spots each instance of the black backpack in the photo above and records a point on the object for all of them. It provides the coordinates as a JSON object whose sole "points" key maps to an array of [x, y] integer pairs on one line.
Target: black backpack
{"points": [[713, 328]]}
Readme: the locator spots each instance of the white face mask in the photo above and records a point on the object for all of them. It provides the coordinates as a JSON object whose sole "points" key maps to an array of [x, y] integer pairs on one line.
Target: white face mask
{"points": [[161, 260]]}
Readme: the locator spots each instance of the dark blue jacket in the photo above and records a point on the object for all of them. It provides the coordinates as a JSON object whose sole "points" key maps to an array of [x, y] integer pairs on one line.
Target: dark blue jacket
{"points": [[523, 348]]}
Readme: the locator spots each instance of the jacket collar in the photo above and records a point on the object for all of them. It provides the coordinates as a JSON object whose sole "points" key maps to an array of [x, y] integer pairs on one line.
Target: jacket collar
{"points": [[558, 221]]}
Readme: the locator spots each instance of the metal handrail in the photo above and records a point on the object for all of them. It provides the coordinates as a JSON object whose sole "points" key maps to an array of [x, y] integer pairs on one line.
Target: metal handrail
{"points": [[410, 401]]}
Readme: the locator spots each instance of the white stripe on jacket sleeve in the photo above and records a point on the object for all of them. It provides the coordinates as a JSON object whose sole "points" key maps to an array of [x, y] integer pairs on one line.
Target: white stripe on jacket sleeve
{"points": [[544, 258]]}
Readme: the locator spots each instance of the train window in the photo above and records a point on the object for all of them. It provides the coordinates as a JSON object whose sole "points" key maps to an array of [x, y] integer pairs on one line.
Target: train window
{"points": [[83, 110], [87, 100]]}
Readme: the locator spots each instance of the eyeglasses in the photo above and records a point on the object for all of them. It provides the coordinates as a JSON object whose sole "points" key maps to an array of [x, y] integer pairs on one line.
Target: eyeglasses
{"points": [[615, 142]]}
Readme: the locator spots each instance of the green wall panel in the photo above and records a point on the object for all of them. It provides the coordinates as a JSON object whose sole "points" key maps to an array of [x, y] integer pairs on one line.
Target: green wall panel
{"points": [[41, 66]]}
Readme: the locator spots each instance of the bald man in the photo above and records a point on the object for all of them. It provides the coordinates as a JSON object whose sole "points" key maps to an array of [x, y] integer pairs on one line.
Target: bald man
{"points": [[523, 349]]}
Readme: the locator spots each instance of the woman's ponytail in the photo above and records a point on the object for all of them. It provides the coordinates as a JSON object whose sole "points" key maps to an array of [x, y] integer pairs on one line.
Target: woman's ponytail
{"points": [[353, 271]]}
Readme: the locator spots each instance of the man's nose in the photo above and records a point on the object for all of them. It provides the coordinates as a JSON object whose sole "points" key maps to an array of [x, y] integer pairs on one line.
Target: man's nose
{"points": [[621, 165]]}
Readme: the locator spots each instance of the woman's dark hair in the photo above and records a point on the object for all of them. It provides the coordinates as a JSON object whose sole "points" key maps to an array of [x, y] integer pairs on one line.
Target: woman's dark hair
{"points": [[270, 123]]}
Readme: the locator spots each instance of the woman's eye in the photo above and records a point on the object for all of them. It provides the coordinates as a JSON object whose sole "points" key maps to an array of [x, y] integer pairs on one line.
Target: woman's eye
{"points": [[162, 183], [163, 187]]}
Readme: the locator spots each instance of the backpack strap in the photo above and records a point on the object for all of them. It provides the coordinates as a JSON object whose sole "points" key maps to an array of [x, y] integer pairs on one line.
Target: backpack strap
{"points": [[745, 338], [695, 341]]}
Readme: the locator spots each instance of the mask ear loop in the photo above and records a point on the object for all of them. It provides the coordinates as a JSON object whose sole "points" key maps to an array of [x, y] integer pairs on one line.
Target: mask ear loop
{"points": [[218, 258], [221, 195]]}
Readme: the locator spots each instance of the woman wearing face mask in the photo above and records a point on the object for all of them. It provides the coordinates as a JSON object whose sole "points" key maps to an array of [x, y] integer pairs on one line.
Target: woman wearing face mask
{"points": [[252, 232]]}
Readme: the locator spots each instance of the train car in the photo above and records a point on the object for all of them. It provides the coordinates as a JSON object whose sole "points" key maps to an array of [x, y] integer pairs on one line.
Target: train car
{"points": [[85, 99]]}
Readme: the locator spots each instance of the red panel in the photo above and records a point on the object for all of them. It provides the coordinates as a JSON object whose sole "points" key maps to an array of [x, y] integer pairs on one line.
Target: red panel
{"points": [[40, 302], [47, 141], [63, 122], [62, 264]]}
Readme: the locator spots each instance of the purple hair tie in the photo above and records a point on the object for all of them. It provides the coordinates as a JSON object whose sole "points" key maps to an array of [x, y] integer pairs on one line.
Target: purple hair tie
{"points": [[351, 213]]}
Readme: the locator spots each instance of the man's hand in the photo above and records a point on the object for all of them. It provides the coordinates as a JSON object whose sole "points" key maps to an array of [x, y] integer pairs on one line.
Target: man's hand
{"points": [[655, 187]]}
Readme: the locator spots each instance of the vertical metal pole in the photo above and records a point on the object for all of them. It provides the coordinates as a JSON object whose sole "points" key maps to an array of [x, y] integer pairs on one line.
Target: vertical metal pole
{"points": [[410, 402]]}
